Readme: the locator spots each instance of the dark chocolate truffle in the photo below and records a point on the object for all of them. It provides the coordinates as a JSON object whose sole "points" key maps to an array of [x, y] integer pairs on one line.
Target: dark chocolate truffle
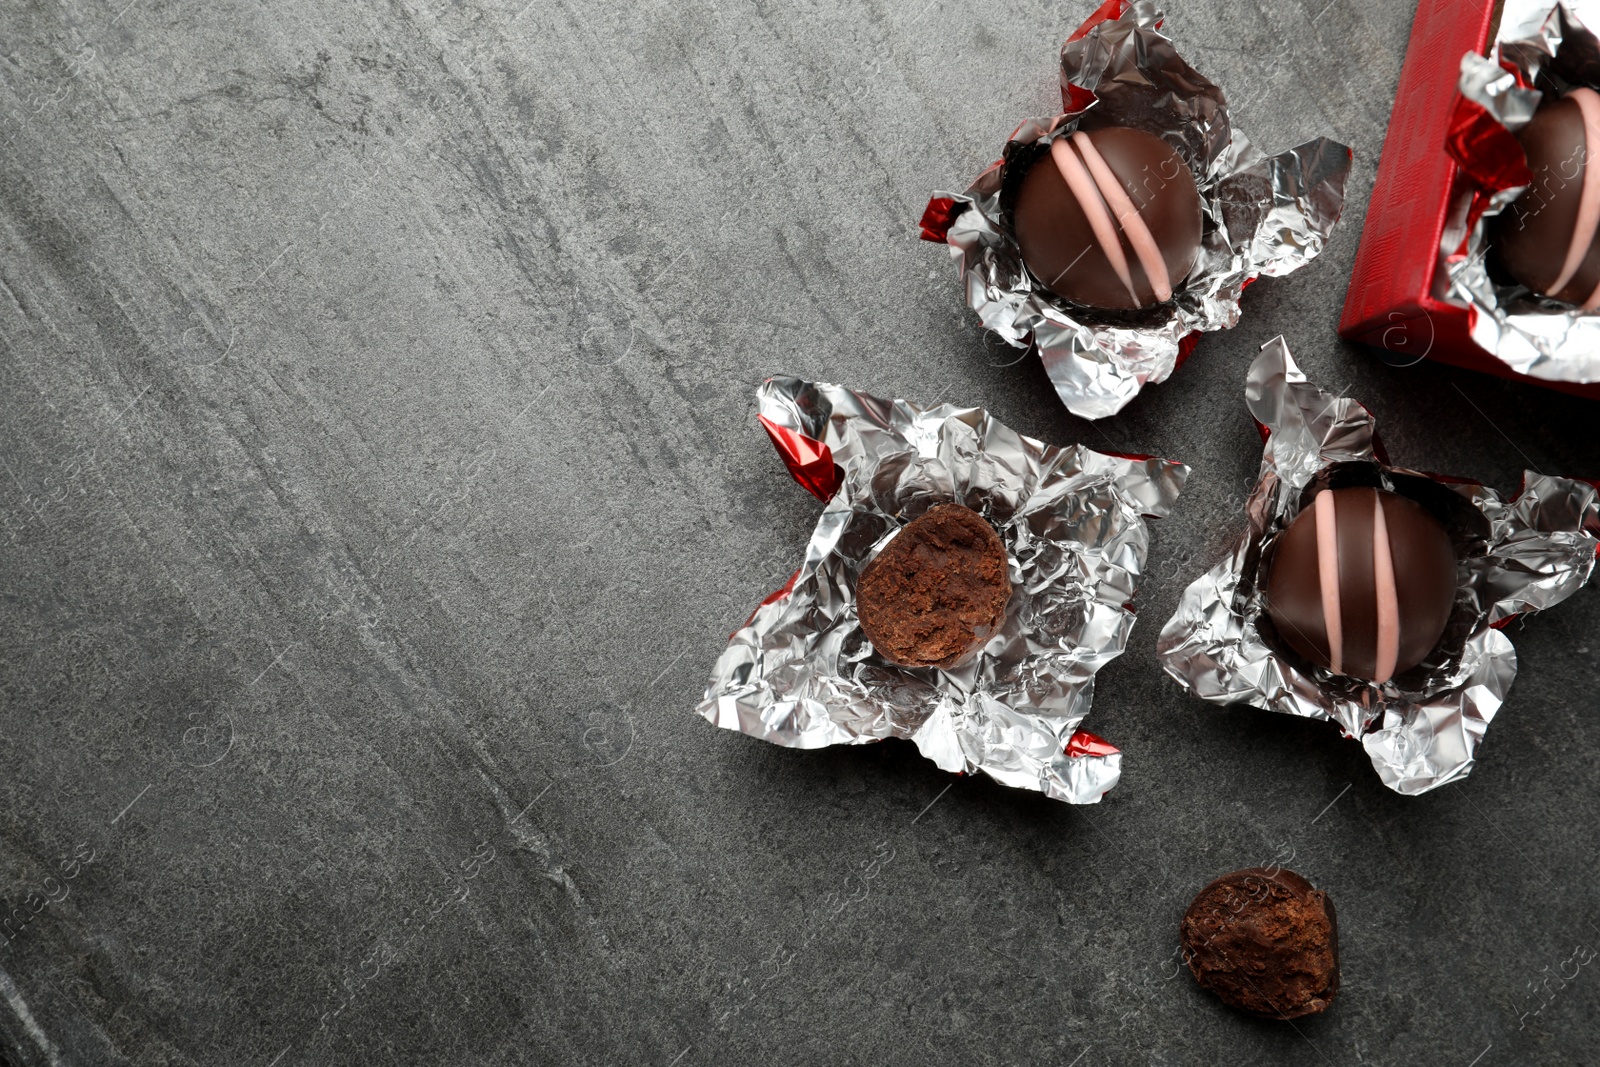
{"points": [[1264, 941], [1110, 219], [937, 590], [1362, 583], [1546, 238]]}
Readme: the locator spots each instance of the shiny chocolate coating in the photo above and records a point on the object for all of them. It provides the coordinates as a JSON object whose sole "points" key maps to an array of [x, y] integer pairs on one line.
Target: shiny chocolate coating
{"points": [[1363, 583], [1109, 219], [1546, 238]]}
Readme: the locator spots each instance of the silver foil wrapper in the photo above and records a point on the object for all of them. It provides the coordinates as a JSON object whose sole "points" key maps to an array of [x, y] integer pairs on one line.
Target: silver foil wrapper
{"points": [[1554, 51], [1263, 215], [802, 674], [1421, 729]]}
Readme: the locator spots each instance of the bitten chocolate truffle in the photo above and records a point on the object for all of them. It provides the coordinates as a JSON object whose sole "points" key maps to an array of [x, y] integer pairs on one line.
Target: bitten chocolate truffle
{"points": [[936, 590], [1110, 219], [1264, 941], [1546, 238], [1362, 583]]}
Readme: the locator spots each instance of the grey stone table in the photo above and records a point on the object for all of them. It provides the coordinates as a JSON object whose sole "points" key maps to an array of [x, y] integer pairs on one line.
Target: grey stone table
{"points": [[381, 482]]}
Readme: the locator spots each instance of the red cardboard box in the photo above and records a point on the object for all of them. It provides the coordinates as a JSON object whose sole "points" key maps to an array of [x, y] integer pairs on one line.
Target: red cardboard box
{"points": [[1391, 302]]}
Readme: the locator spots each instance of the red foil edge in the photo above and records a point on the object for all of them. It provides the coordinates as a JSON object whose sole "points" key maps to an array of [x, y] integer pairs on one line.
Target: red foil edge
{"points": [[1186, 348], [936, 220], [1076, 97], [1516, 72], [1111, 9], [771, 598], [1083, 743], [1488, 153], [809, 461]]}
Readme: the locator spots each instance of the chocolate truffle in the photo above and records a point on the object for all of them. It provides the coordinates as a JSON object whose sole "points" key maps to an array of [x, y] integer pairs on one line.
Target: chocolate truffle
{"points": [[1264, 941], [1110, 219], [935, 591], [1362, 583], [1546, 237]]}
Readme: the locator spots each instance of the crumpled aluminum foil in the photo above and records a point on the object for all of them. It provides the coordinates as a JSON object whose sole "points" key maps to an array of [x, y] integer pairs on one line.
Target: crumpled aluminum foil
{"points": [[1262, 215], [800, 673], [1553, 51], [1422, 728]]}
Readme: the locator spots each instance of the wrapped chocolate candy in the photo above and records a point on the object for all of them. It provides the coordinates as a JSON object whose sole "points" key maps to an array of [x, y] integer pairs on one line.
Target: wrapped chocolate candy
{"points": [[963, 586], [1108, 238], [1523, 255], [1373, 595]]}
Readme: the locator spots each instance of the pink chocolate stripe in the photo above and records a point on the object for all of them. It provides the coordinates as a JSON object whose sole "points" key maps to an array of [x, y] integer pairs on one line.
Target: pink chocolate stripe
{"points": [[1388, 595], [1083, 187], [1588, 102], [1139, 235], [1593, 301], [1328, 578]]}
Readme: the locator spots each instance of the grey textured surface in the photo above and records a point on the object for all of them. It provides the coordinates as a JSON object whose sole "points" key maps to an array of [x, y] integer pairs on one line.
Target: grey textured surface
{"points": [[381, 482]]}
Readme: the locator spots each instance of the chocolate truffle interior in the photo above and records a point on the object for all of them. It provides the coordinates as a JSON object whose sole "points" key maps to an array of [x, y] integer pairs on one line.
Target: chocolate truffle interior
{"points": [[936, 590], [1265, 941]]}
